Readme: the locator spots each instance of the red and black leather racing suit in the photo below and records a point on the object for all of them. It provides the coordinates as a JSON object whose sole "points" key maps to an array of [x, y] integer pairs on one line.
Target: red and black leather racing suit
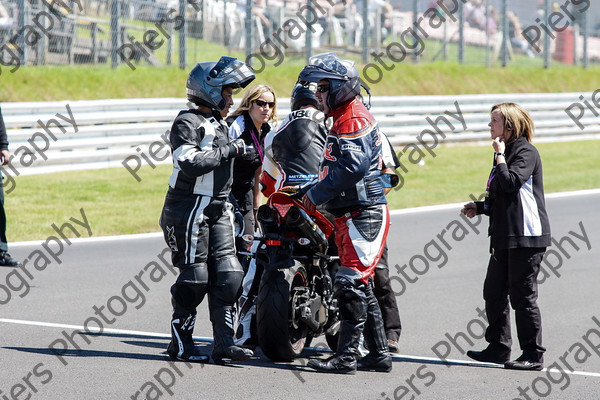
{"points": [[350, 188]]}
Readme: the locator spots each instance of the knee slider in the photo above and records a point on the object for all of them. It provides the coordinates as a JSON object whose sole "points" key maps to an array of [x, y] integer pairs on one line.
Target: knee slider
{"points": [[226, 285], [191, 285]]}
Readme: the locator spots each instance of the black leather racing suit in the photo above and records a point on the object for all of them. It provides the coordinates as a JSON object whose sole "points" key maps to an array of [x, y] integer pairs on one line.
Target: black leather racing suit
{"points": [[292, 153], [197, 222]]}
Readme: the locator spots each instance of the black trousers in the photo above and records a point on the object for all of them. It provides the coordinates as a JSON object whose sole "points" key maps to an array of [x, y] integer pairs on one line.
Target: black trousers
{"points": [[512, 274], [359, 313], [199, 231], [3, 241], [387, 299]]}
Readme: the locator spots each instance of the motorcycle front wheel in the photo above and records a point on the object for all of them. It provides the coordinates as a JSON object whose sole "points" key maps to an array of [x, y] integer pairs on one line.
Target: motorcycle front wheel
{"points": [[280, 336]]}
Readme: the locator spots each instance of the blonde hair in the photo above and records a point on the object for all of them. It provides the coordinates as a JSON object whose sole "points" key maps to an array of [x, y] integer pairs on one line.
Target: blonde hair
{"points": [[253, 93], [516, 120]]}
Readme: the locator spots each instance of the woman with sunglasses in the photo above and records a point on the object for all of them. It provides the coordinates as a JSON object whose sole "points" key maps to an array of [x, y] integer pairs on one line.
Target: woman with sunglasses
{"points": [[251, 123]]}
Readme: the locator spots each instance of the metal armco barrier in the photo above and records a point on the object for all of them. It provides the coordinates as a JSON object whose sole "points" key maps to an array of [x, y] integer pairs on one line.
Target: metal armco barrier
{"points": [[103, 133]]}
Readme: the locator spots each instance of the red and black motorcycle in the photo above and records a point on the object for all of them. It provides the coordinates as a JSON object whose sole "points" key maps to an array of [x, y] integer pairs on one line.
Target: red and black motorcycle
{"points": [[295, 297]]}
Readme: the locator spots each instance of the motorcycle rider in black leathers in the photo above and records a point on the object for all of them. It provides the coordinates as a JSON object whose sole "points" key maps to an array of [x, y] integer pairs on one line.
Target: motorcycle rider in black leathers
{"points": [[291, 158], [350, 188], [292, 153], [197, 219]]}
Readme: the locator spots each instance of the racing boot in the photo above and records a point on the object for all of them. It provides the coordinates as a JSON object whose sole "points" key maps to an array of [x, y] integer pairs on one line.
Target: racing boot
{"points": [[344, 362], [338, 364], [353, 306], [225, 350], [245, 334], [379, 358], [182, 345]]}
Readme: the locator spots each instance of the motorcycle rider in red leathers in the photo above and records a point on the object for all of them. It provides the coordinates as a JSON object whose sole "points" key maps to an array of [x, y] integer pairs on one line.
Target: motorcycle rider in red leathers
{"points": [[197, 219], [350, 188]]}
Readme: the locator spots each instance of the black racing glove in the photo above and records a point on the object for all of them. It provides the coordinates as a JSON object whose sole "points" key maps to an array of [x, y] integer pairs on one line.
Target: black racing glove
{"points": [[251, 154], [239, 223], [237, 148]]}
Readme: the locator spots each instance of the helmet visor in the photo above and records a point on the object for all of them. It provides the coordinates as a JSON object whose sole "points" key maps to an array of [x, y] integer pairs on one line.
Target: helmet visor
{"points": [[331, 63], [326, 66], [230, 71]]}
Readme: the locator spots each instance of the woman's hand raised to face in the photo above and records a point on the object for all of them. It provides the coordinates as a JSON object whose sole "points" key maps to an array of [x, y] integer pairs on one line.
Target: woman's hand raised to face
{"points": [[499, 145]]}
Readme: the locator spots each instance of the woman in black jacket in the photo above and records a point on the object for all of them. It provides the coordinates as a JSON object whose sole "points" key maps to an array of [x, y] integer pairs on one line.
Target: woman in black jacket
{"points": [[519, 234], [251, 122]]}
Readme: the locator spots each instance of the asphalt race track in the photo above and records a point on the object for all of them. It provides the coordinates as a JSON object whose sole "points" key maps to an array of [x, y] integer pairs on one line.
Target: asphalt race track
{"points": [[121, 286]]}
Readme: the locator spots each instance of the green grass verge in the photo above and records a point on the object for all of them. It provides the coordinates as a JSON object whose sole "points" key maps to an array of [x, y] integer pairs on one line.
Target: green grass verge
{"points": [[457, 171], [115, 203]]}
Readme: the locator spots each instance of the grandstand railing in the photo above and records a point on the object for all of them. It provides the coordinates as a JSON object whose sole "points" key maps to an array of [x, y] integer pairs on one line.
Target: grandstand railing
{"points": [[112, 131]]}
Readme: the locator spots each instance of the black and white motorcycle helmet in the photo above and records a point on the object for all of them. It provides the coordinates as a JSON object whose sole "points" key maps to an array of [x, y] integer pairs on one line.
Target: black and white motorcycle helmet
{"points": [[302, 96], [342, 75], [206, 80]]}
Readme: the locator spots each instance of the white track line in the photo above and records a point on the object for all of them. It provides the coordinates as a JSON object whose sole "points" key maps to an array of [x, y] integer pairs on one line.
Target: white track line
{"points": [[399, 357], [458, 206], [93, 239], [93, 329]]}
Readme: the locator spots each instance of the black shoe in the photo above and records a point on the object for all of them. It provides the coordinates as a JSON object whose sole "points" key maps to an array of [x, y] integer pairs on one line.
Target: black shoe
{"points": [[381, 363], [393, 346], [231, 354], [523, 364], [190, 355], [7, 261], [334, 365], [487, 355]]}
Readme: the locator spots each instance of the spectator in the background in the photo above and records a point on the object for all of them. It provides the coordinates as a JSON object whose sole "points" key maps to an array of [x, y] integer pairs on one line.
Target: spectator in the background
{"points": [[475, 14], [6, 22], [387, 20], [515, 30], [259, 10], [435, 4], [372, 7], [348, 12], [492, 21], [5, 259]]}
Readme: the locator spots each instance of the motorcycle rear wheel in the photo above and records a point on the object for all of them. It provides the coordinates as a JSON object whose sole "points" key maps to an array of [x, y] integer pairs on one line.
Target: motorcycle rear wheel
{"points": [[278, 336]]}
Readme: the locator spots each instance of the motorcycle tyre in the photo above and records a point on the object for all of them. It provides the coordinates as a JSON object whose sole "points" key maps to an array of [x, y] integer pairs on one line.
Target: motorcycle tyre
{"points": [[273, 315]]}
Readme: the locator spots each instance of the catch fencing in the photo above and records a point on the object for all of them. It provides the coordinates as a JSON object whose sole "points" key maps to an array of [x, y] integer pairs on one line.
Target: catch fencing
{"points": [[176, 32]]}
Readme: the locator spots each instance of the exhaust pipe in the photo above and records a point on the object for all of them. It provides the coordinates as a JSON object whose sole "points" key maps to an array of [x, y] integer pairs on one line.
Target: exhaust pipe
{"points": [[267, 219], [299, 219]]}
